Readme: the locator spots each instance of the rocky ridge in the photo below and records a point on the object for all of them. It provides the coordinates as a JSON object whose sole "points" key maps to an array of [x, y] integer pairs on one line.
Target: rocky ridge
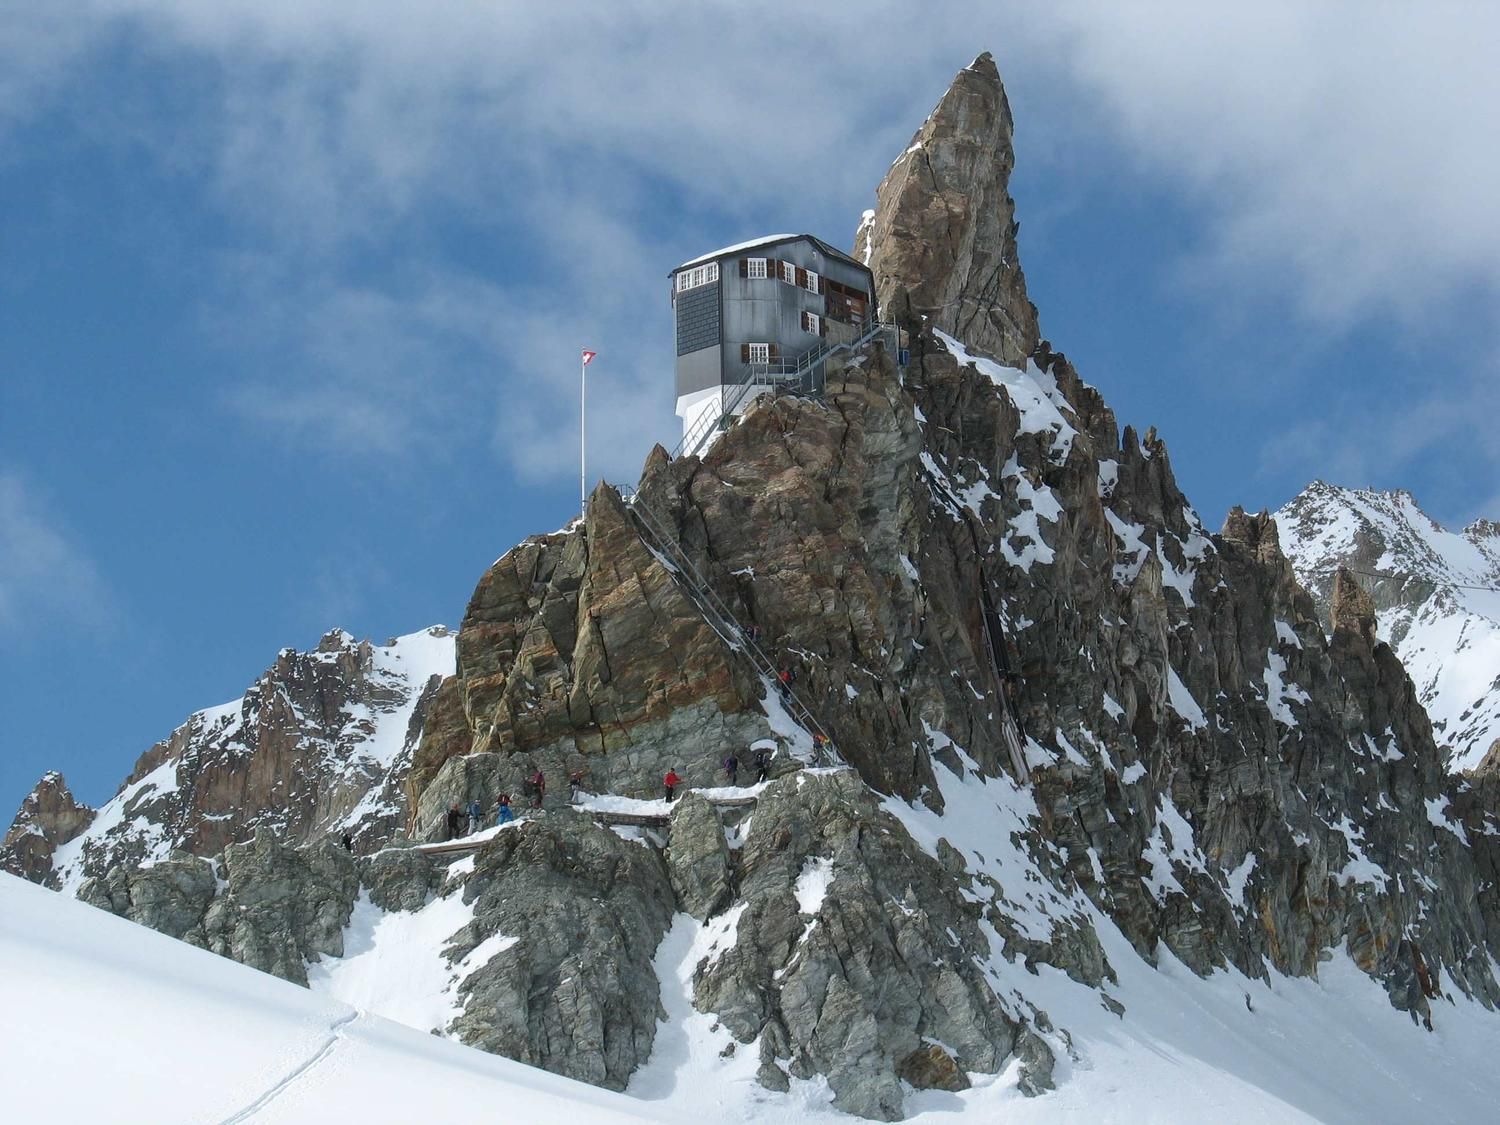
{"points": [[1210, 777], [318, 745], [1434, 594]]}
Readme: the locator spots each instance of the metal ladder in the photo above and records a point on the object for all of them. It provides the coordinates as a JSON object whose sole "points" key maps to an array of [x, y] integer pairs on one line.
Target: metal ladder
{"points": [[799, 373], [717, 614]]}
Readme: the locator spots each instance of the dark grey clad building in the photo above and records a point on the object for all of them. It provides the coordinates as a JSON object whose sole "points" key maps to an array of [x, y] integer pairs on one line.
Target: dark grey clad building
{"points": [[757, 308]]}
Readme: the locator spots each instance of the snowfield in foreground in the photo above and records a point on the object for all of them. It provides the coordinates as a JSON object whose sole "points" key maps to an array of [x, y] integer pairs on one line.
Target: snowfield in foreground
{"points": [[107, 1021]]}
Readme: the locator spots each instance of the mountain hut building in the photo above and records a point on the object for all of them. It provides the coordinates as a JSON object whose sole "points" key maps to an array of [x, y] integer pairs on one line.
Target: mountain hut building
{"points": [[756, 312]]}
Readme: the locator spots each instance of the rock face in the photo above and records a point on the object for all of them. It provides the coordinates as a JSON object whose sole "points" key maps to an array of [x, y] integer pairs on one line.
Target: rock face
{"points": [[851, 952], [318, 745], [1432, 592], [944, 230], [577, 913], [49, 817], [580, 652], [699, 861], [278, 907]]}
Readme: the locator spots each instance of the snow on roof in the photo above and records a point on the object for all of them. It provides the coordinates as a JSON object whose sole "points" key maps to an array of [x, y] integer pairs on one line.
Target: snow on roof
{"points": [[737, 247], [771, 240]]}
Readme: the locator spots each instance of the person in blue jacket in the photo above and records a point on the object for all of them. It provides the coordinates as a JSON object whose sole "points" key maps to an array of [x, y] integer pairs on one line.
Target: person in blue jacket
{"points": [[476, 814], [503, 815]]}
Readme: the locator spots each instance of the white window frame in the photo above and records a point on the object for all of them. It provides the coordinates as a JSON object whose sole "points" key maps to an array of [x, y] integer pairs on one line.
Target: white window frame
{"points": [[812, 323], [760, 353], [697, 276], [755, 268], [789, 272], [812, 282]]}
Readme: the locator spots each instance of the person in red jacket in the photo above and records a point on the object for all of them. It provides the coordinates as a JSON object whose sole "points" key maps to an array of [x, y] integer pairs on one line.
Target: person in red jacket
{"points": [[671, 781]]}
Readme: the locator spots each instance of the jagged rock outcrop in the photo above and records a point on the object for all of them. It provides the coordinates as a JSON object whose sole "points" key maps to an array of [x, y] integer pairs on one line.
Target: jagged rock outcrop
{"points": [[942, 237], [851, 953], [698, 859], [319, 744], [277, 908], [399, 879], [50, 816], [580, 652], [171, 896], [567, 916], [1350, 609], [1432, 596]]}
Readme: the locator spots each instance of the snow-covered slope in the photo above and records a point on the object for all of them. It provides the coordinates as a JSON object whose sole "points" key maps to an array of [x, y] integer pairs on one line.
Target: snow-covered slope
{"points": [[1437, 594], [106, 1021]]}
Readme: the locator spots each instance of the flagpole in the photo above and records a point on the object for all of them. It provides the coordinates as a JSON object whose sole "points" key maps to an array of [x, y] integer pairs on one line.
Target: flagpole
{"points": [[583, 495]]}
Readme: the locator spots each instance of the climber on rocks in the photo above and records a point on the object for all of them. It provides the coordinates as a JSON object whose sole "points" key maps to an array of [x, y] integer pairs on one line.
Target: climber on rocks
{"points": [[538, 787], [732, 768], [670, 783], [784, 680], [476, 815], [762, 764], [503, 815], [575, 786], [455, 821]]}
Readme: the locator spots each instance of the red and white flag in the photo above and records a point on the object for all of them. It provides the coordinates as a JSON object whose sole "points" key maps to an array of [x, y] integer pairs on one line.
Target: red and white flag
{"points": [[588, 357]]}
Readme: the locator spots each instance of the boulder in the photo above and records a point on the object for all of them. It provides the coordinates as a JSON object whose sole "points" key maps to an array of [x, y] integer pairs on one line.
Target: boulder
{"points": [[698, 858]]}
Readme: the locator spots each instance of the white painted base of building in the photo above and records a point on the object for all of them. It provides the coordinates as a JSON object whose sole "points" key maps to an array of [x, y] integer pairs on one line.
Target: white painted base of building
{"points": [[700, 406]]}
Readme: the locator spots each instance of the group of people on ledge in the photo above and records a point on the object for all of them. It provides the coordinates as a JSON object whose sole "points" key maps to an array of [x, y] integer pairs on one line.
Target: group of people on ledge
{"points": [[465, 822]]}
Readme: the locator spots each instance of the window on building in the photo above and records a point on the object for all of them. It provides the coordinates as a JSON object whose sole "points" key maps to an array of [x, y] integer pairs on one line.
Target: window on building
{"points": [[755, 267], [699, 275], [759, 353], [812, 322], [810, 283], [789, 273]]}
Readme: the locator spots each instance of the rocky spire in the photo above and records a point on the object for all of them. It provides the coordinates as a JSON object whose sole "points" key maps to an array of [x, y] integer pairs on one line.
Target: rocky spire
{"points": [[944, 227], [1351, 608], [50, 816]]}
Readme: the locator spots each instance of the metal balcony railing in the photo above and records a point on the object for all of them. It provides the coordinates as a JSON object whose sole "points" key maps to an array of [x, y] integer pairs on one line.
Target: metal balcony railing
{"points": [[805, 374]]}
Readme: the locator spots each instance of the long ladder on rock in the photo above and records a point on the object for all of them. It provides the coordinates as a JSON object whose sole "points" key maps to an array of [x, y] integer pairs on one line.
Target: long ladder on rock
{"points": [[670, 553], [800, 373], [994, 636]]}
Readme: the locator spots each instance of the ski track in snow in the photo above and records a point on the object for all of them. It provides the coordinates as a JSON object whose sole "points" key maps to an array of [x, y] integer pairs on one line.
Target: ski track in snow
{"points": [[335, 1035]]}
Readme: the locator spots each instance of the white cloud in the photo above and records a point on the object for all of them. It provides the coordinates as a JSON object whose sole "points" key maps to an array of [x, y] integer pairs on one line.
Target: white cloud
{"points": [[1344, 151], [44, 575]]}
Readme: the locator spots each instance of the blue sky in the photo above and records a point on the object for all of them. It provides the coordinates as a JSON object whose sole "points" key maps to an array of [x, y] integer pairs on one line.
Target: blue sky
{"points": [[291, 293]]}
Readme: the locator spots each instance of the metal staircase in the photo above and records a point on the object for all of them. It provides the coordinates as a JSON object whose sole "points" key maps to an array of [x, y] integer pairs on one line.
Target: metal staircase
{"points": [[720, 619], [804, 374]]}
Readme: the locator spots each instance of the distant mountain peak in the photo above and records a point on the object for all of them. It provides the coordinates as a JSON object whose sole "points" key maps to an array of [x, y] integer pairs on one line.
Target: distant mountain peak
{"points": [[1433, 592]]}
